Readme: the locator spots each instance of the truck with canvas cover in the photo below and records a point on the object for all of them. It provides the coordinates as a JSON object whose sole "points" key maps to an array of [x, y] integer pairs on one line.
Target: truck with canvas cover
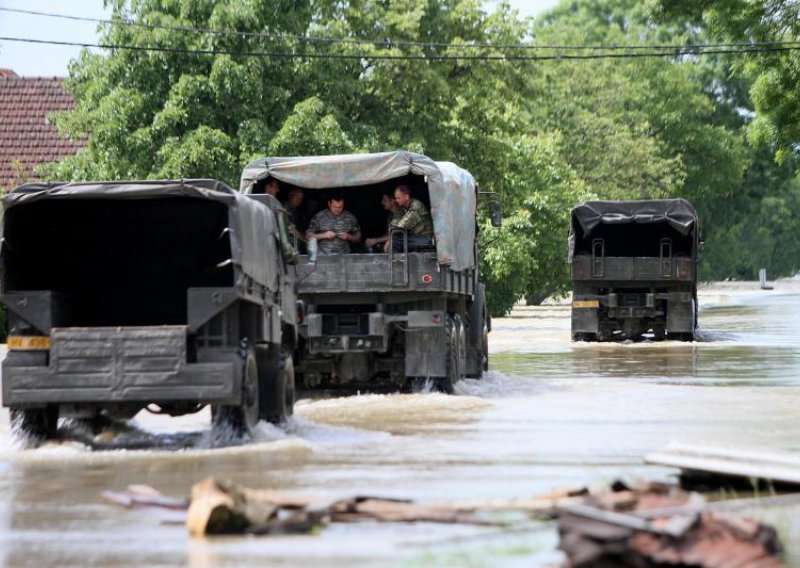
{"points": [[634, 270], [164, 295], [398, 319]]}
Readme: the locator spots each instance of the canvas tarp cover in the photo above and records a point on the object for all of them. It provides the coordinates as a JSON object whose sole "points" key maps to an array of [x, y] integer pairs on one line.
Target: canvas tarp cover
{"points": [[253, 236], [451, 189], [678, 213]]}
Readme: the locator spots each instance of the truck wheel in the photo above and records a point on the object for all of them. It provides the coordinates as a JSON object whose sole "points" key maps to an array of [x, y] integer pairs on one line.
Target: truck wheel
{"points": [[484, 351], [276, 384], [241, 419], [34, 425], [477, 324]]}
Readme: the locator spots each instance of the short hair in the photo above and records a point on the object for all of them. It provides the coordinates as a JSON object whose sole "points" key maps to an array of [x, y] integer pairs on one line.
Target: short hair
{"points": [[403, 188], [295, 190], [335, 197]]}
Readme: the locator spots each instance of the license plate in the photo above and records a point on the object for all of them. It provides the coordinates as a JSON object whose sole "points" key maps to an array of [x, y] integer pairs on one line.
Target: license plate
{"points": [[28, 342], [585, 304]]}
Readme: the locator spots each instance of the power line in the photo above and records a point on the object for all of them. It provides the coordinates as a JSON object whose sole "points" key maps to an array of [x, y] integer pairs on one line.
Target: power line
{"points": [[673, 51], [393, 43]]}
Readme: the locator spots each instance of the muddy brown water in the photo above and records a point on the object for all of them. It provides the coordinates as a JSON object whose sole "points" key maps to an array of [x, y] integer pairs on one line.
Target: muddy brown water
{"points": [[549, 414]]}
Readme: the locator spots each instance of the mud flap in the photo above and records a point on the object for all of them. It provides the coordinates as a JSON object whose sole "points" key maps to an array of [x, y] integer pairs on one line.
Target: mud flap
{"points": [[585, 320], [425, 352], [680, 313]]}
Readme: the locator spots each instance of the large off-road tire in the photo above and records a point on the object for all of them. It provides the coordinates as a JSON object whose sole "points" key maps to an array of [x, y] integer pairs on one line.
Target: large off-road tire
{"points": [[477, 324], [276, 384], [34, 425], [484, 351], [240, 420]]}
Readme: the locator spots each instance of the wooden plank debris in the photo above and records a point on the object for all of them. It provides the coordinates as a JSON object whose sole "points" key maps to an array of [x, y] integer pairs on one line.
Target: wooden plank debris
{"points": [[598, 533], [653, 524], [726, 463]]}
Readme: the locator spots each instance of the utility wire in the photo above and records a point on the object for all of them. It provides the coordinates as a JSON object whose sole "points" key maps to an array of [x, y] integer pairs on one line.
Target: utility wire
{"points": [[392, 43], [673, 51]]}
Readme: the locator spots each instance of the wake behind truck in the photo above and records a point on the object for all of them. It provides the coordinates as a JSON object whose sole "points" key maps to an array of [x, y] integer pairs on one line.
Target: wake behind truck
{"points": [[634, 270], [165, 295], [387, 320]]}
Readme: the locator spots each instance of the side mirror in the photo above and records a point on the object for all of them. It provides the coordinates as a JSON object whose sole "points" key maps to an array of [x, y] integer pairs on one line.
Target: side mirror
{"points": [[496, 214]]}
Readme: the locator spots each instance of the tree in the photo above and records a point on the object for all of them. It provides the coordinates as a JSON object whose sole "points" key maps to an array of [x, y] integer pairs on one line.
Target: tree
{"points": [[773, 74]]}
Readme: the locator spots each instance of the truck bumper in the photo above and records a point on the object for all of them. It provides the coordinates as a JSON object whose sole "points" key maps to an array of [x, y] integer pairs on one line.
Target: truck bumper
{"points": [[119, 365]]}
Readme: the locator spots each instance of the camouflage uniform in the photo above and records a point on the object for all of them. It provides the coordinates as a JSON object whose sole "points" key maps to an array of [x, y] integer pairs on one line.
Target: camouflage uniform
{"points": [[323, 221], [415, 219], [394, 217]]}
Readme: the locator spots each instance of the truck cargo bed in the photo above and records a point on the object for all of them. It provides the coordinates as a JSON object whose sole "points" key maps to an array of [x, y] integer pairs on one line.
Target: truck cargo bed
{"points": [[415, 271]]}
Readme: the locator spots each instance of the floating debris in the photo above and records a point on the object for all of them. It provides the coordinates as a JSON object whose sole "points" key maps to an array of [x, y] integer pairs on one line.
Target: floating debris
{"points": [[712, 467], [655, 524], [659, 525]]}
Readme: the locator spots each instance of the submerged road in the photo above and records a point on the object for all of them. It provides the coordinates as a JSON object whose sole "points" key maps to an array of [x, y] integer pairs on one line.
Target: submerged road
{"points": [[549, 414]]}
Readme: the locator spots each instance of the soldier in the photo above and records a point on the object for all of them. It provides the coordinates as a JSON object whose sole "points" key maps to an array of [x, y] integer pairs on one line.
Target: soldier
{"points": [[378, 244], [271, 187], [292, 206], [334, 228], [416, 221]]}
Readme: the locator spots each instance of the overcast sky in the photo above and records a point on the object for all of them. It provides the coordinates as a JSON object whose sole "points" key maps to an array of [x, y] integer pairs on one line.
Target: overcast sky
{"points": [[31, 60]]}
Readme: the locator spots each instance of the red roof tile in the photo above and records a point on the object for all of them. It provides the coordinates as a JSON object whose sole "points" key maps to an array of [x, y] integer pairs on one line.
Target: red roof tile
{"points": [[26, 137]]}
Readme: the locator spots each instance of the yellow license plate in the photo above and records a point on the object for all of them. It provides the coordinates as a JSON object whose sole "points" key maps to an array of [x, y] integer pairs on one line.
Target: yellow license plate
{"points": [[585, 304], [28, 342]]}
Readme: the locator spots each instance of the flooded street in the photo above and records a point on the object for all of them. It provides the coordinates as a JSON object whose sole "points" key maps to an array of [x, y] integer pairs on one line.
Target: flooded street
{"points": [[549, 414]]}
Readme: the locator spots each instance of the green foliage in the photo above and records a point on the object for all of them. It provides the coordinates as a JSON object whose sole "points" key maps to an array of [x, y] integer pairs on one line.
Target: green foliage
{"points": [[544, 135]]}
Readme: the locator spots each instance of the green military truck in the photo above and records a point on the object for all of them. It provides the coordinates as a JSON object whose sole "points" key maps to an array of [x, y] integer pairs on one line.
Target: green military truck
{"points": [[392, 320], [165, 295], [634, 270]]}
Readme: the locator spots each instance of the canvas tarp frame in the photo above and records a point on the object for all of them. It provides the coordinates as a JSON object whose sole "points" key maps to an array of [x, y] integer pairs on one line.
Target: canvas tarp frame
{"points": [[677, 213], [451, 189], [253, 227]]}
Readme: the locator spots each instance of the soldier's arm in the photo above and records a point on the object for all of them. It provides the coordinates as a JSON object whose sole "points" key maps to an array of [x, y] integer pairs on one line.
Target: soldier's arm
{"points": [[354, 234], [407, 220]]}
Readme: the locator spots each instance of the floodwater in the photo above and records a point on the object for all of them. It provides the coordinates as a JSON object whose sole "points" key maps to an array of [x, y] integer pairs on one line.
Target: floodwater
{"points": [[549, 414]]}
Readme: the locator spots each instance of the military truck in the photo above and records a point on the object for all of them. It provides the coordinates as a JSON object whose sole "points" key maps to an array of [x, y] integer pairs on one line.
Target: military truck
{"points": [[393, 320], [634, 270], [164, 295]]}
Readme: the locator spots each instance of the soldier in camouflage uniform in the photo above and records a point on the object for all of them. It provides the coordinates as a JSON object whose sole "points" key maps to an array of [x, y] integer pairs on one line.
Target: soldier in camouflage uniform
{"points": [[416, 220], [334, 228], [378, 244]]}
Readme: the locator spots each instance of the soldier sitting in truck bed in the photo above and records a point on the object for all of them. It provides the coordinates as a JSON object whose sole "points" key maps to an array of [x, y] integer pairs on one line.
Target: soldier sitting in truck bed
{"points": [[334, 228], [379, 244], [416, 220]]}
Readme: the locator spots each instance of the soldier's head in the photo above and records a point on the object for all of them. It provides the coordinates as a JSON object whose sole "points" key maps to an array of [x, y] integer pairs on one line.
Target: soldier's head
{"points": [[336, 204], [402, 195], [295, 198], [271, 187], [388, 202]]}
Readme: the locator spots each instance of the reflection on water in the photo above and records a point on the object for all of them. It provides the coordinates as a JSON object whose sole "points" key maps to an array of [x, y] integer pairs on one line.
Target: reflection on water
{"points": [[550, 413]]}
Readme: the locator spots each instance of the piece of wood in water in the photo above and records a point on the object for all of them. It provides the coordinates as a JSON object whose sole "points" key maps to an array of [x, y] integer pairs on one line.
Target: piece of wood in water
{"points": [[775, 467], [219, 508]]}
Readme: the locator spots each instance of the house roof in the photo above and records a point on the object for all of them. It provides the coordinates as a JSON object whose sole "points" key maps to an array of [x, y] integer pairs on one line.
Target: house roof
{"points": [[26, 137]]}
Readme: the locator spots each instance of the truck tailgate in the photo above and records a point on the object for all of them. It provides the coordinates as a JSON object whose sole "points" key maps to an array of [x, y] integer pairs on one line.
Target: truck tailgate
{"points": [[120, 364]]}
